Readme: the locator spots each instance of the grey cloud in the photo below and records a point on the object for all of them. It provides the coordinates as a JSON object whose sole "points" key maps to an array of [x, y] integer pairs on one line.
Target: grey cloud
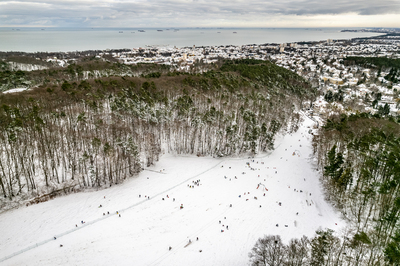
{"points": [[179, 11]]}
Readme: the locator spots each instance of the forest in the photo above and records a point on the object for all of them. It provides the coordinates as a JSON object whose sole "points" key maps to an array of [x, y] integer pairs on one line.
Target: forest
{"points": [[95, 123], [374, 62], [359, 157]]}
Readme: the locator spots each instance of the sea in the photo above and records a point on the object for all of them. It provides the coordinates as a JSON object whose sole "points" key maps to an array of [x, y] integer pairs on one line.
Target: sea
{"points": [[30, 39]]}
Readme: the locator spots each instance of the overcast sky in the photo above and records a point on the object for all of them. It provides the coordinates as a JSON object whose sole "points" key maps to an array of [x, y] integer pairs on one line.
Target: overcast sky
{"points": [[200, 13]]}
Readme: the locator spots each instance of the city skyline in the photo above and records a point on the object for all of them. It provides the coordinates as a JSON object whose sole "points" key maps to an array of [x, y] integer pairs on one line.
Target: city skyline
{"points": [[199, 13]]}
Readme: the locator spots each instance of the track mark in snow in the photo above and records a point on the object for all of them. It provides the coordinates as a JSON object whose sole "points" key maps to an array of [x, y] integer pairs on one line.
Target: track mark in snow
{"points": [[105, 217], [179, 245]]}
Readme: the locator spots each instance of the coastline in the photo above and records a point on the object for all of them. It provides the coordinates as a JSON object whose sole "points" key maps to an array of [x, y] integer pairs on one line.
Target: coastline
{"points": [[82, 39]]}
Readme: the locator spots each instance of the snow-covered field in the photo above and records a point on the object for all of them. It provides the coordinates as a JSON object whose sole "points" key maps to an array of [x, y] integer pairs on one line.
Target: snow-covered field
{"points": [[151, 219]]}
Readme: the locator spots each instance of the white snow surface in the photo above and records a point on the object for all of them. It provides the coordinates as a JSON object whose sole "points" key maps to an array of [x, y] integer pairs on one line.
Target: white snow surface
{"points": [[15, 90], [148, 227]]}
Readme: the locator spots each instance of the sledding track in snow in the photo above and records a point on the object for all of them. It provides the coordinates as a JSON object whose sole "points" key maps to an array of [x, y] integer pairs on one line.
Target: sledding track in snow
{"points": [[88, 223]]}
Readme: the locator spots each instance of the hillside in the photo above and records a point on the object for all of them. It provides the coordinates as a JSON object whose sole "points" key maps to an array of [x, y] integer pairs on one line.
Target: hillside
{"points": [[148, 227], [113, 132], [95, 124], [361, 161]]}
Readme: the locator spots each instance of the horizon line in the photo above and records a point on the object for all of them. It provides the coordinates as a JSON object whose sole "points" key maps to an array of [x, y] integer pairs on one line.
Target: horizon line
{"points": [[194, 27]]}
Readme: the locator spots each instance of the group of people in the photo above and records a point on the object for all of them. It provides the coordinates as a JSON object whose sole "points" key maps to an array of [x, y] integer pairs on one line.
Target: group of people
{"points": [[148, 197], [226, 227], [194, 183]]}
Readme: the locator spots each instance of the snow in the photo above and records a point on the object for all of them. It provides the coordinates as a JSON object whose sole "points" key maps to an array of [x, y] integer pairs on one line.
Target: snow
{"points": [[148, 227], [15, 90]]}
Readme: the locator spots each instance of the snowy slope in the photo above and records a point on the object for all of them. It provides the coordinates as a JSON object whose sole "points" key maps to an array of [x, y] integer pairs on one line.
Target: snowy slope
{"points": [[148, 227]]}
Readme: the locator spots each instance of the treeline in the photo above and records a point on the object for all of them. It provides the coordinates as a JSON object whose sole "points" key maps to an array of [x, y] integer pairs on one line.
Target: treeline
{"points": [[360, 159], [11, 79], [80, 133], [86, 68], [35, 58], [372, 62], [359, 156], [322, 250]]}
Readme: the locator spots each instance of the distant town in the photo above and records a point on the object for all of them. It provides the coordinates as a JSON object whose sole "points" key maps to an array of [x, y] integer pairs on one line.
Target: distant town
{"points": [[360, 88], [319, 62]]}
